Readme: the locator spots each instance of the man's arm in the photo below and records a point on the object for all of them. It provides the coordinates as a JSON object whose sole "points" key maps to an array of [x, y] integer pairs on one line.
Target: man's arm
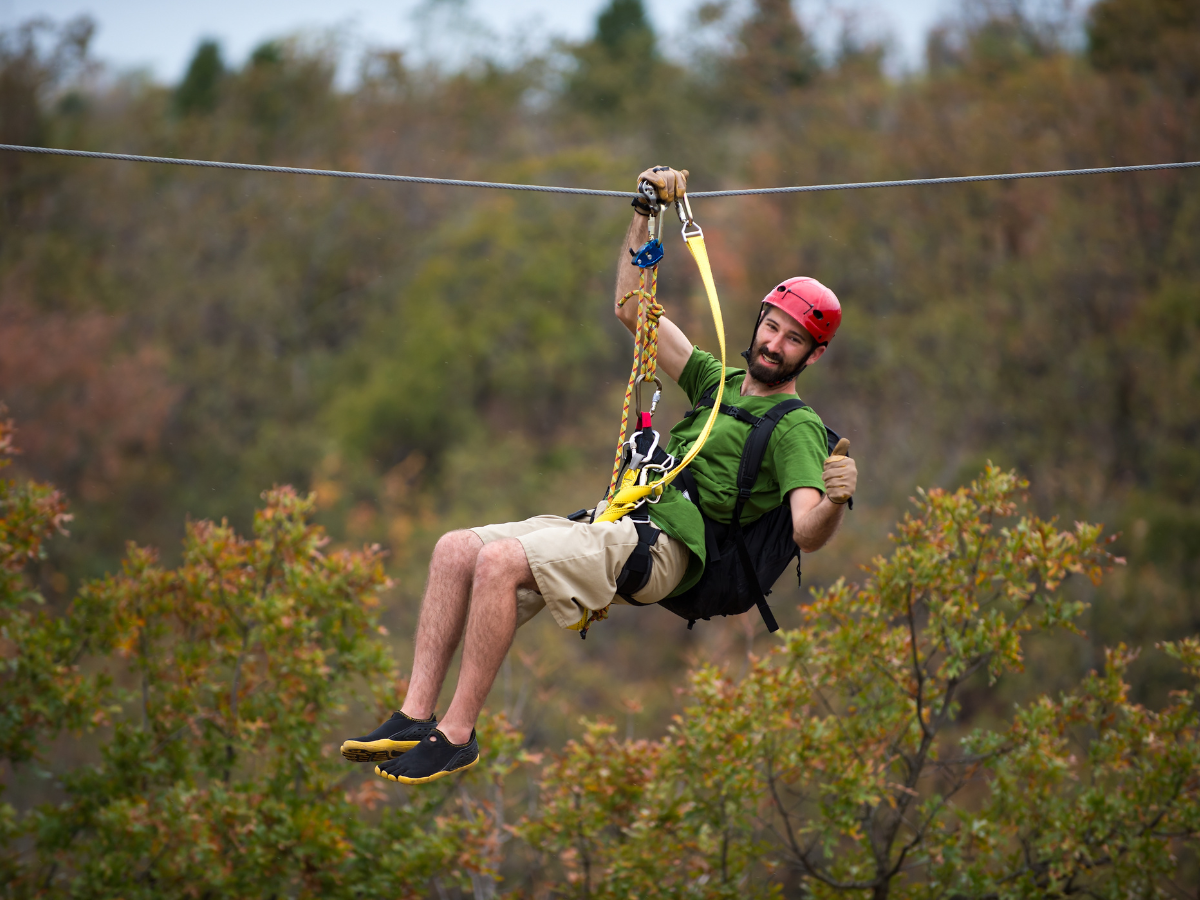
{"points": [[674, 349], [816, 516]]}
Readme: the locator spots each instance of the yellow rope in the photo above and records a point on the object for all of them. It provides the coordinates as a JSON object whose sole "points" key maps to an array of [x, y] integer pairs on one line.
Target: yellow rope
{"points": [[627, 498], [645, 355], [623, 500]]}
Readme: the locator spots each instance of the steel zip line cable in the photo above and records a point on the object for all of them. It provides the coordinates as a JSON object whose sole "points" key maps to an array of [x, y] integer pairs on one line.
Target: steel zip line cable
{"points": [[548, 189], [293, 170], [957, 179]]}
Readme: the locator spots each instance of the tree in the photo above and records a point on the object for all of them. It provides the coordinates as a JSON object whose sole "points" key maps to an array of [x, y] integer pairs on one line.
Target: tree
{"points": [[623, 29], [1135, 34], [91, 414], [200, 89], [37, 58], [1051, 324], [616, 71], [42, 689], [775, 55], [209, 692], [836, 763]]}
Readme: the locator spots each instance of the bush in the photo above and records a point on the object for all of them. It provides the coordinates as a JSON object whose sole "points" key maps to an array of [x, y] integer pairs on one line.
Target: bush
{"points": [[210, 692], [839, 763], [835, 765]]}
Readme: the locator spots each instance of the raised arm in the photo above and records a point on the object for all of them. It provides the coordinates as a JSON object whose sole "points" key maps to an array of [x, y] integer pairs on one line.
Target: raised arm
{"points": [[674, 349]]}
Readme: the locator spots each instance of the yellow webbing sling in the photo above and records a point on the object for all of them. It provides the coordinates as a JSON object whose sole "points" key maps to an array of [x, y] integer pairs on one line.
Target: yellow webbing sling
{"points": [[629, 497]]}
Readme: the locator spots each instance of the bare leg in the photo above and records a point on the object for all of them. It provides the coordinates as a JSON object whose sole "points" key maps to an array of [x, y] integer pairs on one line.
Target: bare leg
{"points": [[500, 568], [443, 612]]}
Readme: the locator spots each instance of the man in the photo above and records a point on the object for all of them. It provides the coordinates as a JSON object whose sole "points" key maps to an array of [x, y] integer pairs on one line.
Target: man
{"points": [[488, 581]]}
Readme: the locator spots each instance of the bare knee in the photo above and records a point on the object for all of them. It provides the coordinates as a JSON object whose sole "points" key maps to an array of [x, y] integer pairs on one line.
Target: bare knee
{"points": [[457, 550], [504, 562]]}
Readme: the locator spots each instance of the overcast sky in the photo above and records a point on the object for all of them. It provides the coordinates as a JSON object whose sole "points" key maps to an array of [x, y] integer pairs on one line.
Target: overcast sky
{"points": [[160, 35]]}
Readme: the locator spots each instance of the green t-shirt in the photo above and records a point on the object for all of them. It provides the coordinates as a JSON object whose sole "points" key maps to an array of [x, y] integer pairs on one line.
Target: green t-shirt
{"points": [[795, 458]]}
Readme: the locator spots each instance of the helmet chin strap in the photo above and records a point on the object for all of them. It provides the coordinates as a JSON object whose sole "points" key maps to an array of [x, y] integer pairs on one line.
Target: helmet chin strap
{"points": [[790, 376]]}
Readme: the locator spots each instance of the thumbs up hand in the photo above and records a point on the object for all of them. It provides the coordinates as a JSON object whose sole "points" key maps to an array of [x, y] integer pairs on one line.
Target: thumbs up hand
{"points": [[840, 475]]}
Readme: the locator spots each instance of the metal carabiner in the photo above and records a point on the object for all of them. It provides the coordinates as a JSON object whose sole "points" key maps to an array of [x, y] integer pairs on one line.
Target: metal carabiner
{"points": [[683, 208], [637, 393]]}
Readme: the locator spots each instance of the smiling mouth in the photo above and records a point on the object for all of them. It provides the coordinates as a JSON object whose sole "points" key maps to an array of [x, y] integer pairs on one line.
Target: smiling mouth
{"points": [[775, 362]]}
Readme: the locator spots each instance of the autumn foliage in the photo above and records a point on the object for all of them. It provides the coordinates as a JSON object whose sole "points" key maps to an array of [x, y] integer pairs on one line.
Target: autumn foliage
{"points": [[212, 693], [209, 691], [837, 762], [974, 718]]}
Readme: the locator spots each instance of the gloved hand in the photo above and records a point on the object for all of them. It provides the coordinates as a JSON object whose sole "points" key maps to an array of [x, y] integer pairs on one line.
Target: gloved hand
{"points": [[840, 475], [668, 183]]}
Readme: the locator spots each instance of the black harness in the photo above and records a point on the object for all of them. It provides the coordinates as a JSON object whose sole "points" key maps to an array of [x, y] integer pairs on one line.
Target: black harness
{"points": [[636, 574]]}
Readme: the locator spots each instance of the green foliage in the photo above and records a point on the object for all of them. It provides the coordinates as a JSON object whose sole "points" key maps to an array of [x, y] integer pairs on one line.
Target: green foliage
{"points": [[173, 340], [212, 774], [835, 762], [1135, 34], [614, 71], [253, 310], [1090, 794], [268, 53], [199, 91], [776, 55], [36, 60], [486, 330], [282, 85], [42, 690], [624, 31]]}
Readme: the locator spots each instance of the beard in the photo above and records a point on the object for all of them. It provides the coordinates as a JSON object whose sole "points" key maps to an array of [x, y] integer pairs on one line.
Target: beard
{"points": [[768, 368]]}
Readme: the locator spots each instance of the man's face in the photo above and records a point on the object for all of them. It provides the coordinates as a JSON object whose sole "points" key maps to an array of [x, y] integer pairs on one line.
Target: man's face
{"points": [[781, 346]]}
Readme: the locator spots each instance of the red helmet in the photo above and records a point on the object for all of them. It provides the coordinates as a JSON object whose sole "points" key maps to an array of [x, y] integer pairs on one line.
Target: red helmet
{"points": [[811, 304]]}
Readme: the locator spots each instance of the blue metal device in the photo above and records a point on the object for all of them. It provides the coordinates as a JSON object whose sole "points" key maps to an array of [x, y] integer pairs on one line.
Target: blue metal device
{"points": [[651, 254]]}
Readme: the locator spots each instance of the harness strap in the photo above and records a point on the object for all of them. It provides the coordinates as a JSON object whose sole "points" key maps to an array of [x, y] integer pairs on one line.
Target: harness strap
{"points": [[706, 401], [687, 481], [736, 412], [760, 599], [756, 446], [752, 457], [636, 573]]}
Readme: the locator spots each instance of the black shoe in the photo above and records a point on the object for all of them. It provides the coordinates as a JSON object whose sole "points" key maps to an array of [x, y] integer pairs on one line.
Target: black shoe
{"points": [[397, 735], [435, 757]]}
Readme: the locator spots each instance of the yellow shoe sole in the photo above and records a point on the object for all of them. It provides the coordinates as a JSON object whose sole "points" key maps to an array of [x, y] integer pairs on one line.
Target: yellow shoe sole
{"points": [[428, 778], [375, 751]]}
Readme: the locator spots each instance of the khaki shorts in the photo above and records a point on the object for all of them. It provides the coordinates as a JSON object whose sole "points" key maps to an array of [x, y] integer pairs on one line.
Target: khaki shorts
{"points": [[576, 565]]}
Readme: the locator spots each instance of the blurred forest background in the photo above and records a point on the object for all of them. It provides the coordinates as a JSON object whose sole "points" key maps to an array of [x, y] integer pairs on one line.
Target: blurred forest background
{"points": [[174, 342]]}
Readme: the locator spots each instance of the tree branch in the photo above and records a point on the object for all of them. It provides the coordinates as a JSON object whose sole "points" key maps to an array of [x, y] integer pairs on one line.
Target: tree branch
{"points": [[918, 670]]}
